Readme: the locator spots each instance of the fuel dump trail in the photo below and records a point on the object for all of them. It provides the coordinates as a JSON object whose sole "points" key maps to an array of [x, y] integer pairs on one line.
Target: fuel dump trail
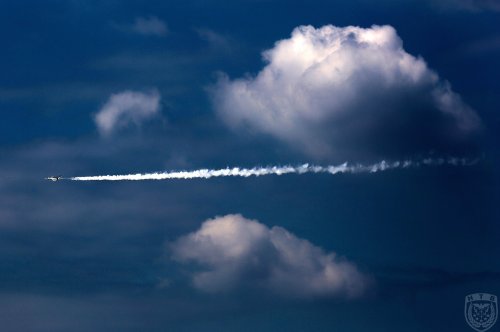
{"points": [[281, 170]]}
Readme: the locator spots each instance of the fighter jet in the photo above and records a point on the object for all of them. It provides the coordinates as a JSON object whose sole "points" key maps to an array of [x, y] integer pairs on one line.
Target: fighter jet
{"points": [[53, 178]]}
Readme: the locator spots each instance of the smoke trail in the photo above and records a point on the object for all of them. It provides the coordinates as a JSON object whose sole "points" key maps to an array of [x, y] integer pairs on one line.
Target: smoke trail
{"points": [[280, 170]]}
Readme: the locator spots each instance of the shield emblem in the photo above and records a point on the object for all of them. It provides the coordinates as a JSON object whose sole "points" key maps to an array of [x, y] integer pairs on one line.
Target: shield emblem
{"points": [[481, 311]]}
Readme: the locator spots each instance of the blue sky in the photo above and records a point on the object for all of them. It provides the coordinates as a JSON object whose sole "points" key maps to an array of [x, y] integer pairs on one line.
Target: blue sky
{"points": [[89, 88]]}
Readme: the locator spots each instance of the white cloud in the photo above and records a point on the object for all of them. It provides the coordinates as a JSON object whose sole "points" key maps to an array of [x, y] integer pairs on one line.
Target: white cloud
{"points": [[150, 26], [127, 107], [336, 92], [235, 252]]}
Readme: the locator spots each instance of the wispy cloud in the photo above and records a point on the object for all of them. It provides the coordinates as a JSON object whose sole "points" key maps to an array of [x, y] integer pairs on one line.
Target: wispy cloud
{"points": [[468, 5], [126, 107], [147, 26], [482, 46], [215, 40], [150, 26]]}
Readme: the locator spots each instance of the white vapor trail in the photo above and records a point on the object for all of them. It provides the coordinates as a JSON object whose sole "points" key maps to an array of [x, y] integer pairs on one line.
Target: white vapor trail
{"points": [[280, 170]]}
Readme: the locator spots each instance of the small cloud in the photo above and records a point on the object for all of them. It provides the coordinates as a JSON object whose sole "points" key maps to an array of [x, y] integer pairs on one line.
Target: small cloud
{"points": [[468, 5], [151, 25], [482, 46], [163, 283], [147, 26], [126, 107], [235, 252], [214, 39]]}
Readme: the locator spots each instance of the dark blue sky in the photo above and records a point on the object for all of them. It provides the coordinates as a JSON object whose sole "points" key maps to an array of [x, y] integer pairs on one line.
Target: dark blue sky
{"points": [[107, 256]]}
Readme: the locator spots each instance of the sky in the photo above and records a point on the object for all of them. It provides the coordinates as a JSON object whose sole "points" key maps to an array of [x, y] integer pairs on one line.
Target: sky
{"points": [[93, 88]]}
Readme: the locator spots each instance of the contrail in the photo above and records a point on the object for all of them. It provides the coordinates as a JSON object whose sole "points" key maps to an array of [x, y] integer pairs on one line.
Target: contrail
{"points": [[280, 170]]}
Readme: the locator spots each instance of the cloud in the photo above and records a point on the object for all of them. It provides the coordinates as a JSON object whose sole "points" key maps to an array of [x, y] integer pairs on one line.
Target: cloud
{"points": [[215, 40], [237, 252], [348, 92], [484, 46], [150, 26], [469, 5], [126, 107]]}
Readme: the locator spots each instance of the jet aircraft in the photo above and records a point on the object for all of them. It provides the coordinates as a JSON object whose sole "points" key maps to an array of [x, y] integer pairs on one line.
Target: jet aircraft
{"points": [[53, 178]]}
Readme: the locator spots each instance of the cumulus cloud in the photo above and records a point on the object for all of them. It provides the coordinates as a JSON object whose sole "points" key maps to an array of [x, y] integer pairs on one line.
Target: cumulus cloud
{"points": [[151, 26], [348, 92], [126, 107], [236, 252]]}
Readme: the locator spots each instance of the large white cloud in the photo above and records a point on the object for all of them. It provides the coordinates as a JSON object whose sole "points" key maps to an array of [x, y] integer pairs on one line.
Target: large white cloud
{"points": [[347, 91], [126, 107], [235, 252]]}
